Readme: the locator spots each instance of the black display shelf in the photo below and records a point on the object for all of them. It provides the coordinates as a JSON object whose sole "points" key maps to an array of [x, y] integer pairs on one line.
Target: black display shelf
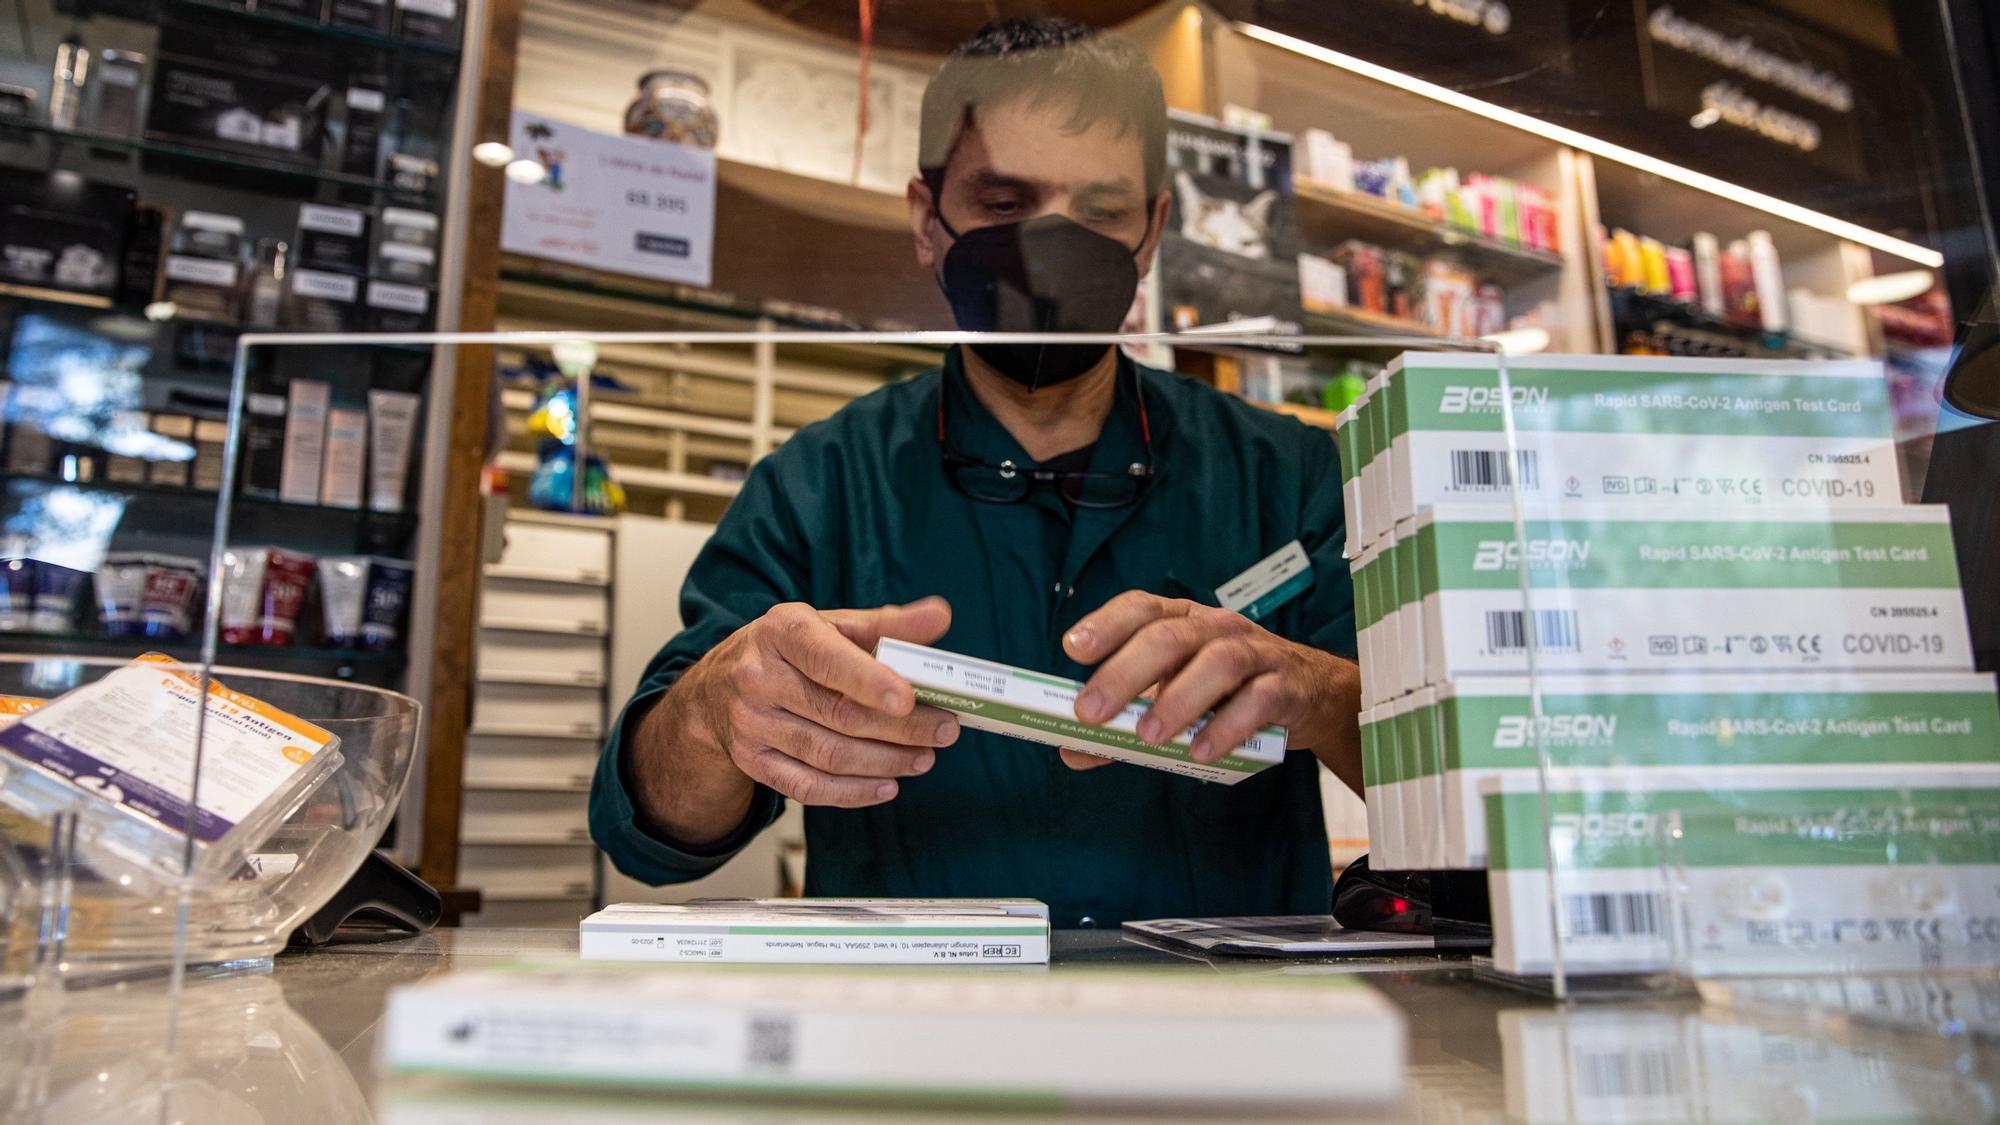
{"points": [[72, 304], [151, 11], [263, 168], [13, 482], [1634, 310], [392, 43], [367, 665]]}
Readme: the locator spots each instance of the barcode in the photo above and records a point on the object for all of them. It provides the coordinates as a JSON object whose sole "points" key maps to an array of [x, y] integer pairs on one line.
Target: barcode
{"points": [[1652, 1072], [771, 1042], [1487, 468], [1613, 915], [1555, 630]]}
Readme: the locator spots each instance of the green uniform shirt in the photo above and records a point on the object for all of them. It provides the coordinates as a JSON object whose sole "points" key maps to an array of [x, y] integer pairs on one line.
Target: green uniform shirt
{"points": [[857, 512]]}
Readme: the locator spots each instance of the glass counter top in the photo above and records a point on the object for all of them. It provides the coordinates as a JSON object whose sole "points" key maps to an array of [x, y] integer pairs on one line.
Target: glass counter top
{"points": [[299, 1043]]}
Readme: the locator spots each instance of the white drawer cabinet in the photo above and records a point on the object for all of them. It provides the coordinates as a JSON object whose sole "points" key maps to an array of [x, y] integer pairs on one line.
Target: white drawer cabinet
{"points": [[537, 709], [529, 870], [513, 603], [571, 553], [504, 762], [524, 817], [506, 655]]}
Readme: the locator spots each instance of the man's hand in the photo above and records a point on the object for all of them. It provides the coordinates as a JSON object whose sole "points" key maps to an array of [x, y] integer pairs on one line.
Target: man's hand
{"points": [[796, 700], [1206, 659]]}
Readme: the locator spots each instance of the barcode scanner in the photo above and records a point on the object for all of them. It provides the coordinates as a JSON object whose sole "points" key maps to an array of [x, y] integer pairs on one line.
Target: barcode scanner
{"points": [[1451, 906]]}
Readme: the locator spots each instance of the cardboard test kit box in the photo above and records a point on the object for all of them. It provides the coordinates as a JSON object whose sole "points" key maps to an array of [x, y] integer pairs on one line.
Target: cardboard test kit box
{"points": [[1640, 432], [1040, 708], [1826, 868], [1782, 589]]}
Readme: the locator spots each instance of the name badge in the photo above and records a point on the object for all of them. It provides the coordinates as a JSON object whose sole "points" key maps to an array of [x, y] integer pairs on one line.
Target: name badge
{"points": [[1281, 576]]}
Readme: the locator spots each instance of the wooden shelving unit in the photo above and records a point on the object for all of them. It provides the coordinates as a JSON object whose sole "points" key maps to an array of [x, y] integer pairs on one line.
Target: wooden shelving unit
{"points": [[1331, 215]]}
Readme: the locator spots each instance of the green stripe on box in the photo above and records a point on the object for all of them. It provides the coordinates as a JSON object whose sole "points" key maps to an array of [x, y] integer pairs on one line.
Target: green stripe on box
{"points": [[1642, 402], [884, 932], [1717, 728], [1698, 554], [1621, 829], [1083, 734], [762, 1085], [1427, 561]]}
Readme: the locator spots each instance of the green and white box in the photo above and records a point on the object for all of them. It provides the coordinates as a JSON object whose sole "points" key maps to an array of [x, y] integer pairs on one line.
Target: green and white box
{"points": [[989, 696], [1374, 777], [1374, 614], [1640, 432], [1378, 504], [808, 932], [1349, 441], [1780, 589], [1883, 868], [1719, 724], [1019, 1041], [1409, 632]]}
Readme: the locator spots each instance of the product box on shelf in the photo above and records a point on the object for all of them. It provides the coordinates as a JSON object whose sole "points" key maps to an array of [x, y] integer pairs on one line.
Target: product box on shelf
{"points": [[1752, 590], [1647, 432], [68, 236], [333, 239], [428, 21], [1809, 868], [360, 15], [264, 589], [1720, 724], [392, 307], [367, 108], [989, 696], [263, 446], [320, 301], [307, 404], [217, 88]]}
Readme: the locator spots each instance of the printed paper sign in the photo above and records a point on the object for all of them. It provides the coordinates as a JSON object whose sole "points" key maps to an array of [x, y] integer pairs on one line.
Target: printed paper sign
{"points": [[620, 204]]}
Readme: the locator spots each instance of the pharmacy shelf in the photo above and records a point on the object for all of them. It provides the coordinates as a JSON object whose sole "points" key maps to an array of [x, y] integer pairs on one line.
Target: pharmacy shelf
{"points": [[136, 323], [1355, 320], [1631, 308], [542, 574], [637, 477], [640, 301], [536, 730], [573, 836], [535, 625], [366, 665], [1332, 215], [301, 25], [232, 164], [851, 204], [16, 484], [576, 784], [544, 679]]}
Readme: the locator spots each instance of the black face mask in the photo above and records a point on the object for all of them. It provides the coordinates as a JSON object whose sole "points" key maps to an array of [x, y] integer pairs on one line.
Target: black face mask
{"points": [[1048, 274]]}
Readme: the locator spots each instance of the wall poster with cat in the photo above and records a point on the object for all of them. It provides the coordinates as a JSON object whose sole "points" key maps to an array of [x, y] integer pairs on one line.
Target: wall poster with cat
{"points": [[1230, 250]]}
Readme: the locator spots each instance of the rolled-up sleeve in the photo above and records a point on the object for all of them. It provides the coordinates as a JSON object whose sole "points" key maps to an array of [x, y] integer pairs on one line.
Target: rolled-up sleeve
{"points": [[753, 562]]}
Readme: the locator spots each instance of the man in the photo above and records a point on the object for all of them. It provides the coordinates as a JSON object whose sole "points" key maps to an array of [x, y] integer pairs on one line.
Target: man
{"points": [[1057, 508]]}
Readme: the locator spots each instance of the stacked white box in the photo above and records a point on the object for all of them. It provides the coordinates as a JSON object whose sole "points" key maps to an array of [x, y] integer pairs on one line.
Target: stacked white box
{"points": [[1723, 538]]}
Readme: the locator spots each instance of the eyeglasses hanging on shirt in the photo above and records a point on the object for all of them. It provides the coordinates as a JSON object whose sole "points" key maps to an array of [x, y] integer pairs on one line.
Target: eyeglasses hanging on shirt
{"points": [[1006, 482]]}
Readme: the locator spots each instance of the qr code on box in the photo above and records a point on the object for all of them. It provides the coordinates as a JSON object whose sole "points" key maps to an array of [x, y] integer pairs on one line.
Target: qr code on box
{"points": [[771, 1042]]}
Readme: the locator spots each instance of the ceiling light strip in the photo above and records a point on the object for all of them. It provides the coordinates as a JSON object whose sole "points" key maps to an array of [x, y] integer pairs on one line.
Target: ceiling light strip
{"points": [[1700, 181]]}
